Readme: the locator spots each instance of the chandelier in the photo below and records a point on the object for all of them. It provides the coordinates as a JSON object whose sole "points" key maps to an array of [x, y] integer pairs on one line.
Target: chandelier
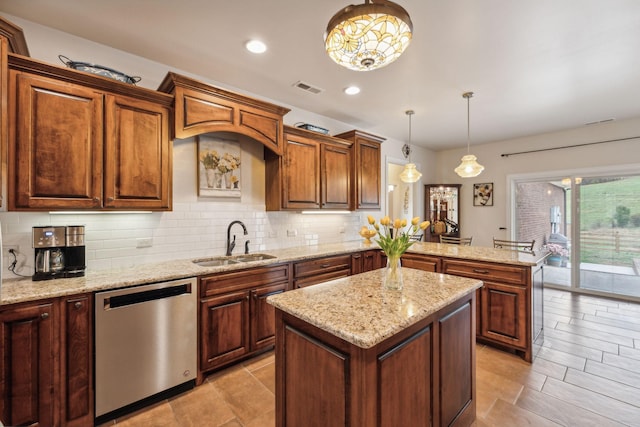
{"points": [[368, 36], [469, 166]]}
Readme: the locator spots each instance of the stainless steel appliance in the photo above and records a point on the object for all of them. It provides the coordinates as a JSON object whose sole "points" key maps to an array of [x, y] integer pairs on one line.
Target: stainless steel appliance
{"points": [[74, 251], [48, 244], [145, 345]]}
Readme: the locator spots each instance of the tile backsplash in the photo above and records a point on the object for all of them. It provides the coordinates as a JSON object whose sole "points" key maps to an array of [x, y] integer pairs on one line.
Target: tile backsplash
{"points": [[191, 230]]}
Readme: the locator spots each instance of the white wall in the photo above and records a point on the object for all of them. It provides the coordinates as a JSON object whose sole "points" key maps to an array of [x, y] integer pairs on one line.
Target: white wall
{"points": [[197, 226], [483, 223]]}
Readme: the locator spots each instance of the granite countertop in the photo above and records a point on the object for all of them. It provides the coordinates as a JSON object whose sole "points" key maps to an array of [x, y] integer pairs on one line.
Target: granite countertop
{"points": [[21, 290], [360, 311]]}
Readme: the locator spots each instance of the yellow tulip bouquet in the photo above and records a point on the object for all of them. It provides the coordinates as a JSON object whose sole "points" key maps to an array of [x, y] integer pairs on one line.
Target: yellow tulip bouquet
{"points": [[394, 239]]}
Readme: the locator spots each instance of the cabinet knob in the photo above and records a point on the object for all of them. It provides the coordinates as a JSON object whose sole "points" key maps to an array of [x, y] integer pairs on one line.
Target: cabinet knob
{"points": [[77, 304], [44, 315], [96, 200], [110, 199]]}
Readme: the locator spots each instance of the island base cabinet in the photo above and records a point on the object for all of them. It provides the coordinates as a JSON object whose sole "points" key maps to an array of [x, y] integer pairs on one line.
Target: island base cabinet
{"points": [[422, 376]]}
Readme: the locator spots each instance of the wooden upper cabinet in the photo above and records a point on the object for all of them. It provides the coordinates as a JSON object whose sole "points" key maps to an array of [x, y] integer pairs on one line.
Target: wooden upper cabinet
{"points": [[366, 171], [336, 179], [79, 141], [313, 173], [202, 108], [302, 173], [4, 114], [55, 149], [137, 155]]}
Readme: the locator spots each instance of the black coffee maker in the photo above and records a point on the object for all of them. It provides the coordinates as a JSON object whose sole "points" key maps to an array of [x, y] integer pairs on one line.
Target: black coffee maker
{"points": [[74, 251], [59, 252]]}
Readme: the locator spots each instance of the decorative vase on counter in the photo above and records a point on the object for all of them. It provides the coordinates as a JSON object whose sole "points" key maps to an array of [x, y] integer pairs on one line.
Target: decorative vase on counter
{"points": [[393, 274], [394, 240]]}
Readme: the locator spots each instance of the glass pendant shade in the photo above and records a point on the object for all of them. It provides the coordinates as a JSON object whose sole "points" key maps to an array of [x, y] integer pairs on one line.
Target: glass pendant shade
{"points": [[469, 167], [410, 173], [368, 36]]}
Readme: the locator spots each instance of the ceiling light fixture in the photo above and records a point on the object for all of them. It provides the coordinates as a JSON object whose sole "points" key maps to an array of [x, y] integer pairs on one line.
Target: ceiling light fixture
{"points": [[352, 90], [409, 173], [368, 36], [469, 166], [256, 46]]}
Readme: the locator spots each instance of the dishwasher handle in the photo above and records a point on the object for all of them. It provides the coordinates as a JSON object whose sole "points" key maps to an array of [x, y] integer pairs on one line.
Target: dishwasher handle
{"points": [[146, 296]]}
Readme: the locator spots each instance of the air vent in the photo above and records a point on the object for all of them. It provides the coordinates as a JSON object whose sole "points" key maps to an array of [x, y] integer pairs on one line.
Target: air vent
{"points": [[307, 87]]}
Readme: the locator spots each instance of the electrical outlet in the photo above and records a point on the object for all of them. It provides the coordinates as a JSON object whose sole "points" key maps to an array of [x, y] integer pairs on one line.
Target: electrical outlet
{"points": [[144, 242], [292, 233], [7, 248]]}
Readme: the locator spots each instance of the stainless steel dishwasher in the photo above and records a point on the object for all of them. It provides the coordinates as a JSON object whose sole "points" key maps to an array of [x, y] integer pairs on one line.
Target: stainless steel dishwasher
{"points": [[145, 345]]}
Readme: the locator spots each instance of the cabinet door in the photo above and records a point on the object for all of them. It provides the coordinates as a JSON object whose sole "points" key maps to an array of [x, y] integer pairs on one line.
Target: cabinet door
{"points": [[368, 178], [336, 177], [4, 114], [263, 320], [55, 144], [505, 313], [28, 366], [302, 173], [224, 327], [137, 154], [77, 361]]}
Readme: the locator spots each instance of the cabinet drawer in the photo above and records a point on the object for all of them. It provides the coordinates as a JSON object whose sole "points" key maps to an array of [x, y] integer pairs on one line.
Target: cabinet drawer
{"points": [[421, 262], [221, 283], [322, 266], [486, 271]]}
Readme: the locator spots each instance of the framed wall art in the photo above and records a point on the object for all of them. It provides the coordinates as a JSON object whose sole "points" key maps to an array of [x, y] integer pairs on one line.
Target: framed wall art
{"points": [[218, 167], [483, 194]]}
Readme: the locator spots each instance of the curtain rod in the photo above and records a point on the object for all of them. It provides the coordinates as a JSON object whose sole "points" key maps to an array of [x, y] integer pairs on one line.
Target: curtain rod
{"points": [[568, 146]]}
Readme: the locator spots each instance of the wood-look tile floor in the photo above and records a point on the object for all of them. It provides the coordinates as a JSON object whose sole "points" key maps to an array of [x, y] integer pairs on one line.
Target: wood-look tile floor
{"points": [[586, 374]]}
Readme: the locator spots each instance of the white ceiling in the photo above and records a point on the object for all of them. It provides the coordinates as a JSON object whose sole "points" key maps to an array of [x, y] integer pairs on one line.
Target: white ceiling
{"points": [[535, 66]]}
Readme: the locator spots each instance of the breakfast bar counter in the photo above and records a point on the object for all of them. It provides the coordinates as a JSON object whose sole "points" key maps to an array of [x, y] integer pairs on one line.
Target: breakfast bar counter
{"points": [[350, 352]]}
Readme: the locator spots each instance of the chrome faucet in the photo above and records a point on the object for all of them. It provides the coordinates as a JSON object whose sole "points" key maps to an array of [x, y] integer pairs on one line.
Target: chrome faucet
{"points": [[232, 244]]}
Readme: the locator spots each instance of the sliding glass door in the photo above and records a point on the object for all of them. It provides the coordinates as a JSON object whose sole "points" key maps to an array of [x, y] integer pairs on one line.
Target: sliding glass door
{"points": [[591, 223]]}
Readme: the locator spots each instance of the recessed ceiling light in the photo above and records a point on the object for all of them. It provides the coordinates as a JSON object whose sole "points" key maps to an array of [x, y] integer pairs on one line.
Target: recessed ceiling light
{"points": [[256, 46], [352, 90]]}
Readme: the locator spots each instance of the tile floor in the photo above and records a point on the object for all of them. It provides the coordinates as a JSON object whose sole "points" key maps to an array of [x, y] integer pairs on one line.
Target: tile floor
{"points": [[587, 374]]}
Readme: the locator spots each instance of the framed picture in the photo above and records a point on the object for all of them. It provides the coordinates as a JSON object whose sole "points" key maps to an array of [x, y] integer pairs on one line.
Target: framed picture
{"points": [[218, 167], [483, 194]]}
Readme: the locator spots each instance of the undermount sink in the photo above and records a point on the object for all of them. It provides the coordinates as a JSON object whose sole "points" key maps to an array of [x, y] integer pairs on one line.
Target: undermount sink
{"points": [[252, 257], [225, 260], [214, 262]]}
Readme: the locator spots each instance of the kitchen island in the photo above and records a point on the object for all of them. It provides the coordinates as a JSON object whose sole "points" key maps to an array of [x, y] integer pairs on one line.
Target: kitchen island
{"points": [[349, 352]]}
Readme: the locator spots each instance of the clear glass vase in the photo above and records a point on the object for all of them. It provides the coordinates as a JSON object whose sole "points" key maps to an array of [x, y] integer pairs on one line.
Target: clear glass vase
{"points": [[393, 274]]}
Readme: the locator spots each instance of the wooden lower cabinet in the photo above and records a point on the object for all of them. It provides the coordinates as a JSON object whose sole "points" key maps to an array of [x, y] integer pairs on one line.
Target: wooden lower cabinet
{"points": [[76, 383], [509, 303], [361, 262], [47, 363], [235, 319], [423, 376], [29, 365]]}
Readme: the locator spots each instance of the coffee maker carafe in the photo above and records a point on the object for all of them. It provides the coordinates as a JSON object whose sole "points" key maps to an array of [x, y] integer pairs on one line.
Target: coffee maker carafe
{"points": [[49, 245]]}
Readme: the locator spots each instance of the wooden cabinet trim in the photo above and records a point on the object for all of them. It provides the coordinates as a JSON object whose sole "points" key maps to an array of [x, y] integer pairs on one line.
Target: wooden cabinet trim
{"points": [[487, 271], [202, 108]]}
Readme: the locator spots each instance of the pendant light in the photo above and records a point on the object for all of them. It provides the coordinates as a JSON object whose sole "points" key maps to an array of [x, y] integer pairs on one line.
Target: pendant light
{"points": [[409, 174], [469, 166], [368, 36]]}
